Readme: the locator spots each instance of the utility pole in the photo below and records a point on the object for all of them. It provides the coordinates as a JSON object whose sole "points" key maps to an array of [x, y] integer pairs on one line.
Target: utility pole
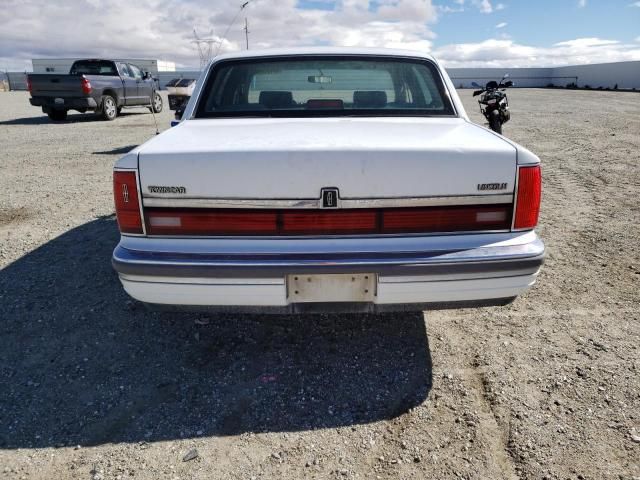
{"points": [[246, 30]]}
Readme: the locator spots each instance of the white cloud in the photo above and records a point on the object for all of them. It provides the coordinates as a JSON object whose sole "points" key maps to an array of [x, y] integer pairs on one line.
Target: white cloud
{"points": [[449, 9], [582, 3], [500, 6], [483, 5], [634, 4], [507, 53], [586, 42], [501, 25], [163, 29]]}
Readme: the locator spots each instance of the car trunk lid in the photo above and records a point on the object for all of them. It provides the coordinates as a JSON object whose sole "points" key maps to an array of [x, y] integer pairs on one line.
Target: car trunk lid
{"points": [[363, 158]]}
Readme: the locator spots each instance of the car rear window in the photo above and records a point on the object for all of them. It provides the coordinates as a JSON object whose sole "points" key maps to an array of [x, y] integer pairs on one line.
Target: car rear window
{"points": [[93, 67], [328, 86]]}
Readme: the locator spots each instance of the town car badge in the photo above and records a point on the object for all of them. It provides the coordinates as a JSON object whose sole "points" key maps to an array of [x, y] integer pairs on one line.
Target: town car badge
{"points": [[165, 189]]}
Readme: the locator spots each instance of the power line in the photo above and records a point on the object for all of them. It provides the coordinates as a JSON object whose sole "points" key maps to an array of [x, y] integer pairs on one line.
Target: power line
{"points": [[226, 32], [205, 44]]}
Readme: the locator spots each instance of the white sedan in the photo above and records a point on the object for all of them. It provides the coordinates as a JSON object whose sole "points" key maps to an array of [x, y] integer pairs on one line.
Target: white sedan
{"points": [[324, 179]]}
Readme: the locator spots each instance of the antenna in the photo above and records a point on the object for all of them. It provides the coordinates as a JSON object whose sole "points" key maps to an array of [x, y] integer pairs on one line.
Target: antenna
{"points": [[246, 31], [226, 32], [205, 47]]}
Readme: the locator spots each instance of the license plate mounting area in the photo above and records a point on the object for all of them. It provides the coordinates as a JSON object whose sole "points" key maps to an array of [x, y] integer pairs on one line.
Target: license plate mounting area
{"points": [[340, 287]]}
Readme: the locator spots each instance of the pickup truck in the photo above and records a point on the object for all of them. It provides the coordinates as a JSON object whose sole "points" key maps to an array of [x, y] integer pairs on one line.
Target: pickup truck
{"points": [[320, 179], [101, 86]]}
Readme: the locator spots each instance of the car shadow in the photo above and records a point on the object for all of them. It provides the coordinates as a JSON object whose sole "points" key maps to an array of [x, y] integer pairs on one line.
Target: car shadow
{"points": [[71, 118], [82, 364]]}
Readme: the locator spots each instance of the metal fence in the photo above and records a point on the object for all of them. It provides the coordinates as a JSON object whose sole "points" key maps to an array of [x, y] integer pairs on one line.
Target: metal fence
{"points": [[519, 81], [17, 80]]}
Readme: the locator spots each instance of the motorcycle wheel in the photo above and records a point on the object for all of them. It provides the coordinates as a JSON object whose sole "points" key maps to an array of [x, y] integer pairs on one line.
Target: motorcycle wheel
{"points": [[495, 122]]}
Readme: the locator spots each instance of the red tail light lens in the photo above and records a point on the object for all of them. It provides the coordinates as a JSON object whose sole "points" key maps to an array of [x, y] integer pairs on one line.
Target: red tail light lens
{"points": [[209, 222], [173, 221], [86, 85], [528, 197], [125, 194], [328, 223], [29, 86], [447, 219]]}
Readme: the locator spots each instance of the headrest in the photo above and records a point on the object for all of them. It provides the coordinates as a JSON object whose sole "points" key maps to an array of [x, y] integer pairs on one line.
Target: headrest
{"points": [[276, 99], [369, 99]]}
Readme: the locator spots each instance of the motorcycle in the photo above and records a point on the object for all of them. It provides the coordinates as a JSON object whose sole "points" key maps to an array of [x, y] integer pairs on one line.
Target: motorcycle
{"points": [[494, 104]]}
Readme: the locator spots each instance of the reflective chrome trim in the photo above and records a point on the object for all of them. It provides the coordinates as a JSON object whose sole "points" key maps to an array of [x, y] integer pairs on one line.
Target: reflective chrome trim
{"points": [[484, 262], [515, 199], [317, 202]]}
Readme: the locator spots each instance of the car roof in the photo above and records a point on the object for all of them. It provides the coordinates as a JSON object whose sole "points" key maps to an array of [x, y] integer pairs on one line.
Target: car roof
{"points": [[301, 51]]}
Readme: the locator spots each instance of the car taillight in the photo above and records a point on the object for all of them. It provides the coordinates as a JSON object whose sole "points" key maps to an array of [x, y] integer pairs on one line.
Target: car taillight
{"points": [[447, 219], [86, 85], [528, 198], [329, 222], [125, 194], [29, 85], [173, 221], [206, 222]]}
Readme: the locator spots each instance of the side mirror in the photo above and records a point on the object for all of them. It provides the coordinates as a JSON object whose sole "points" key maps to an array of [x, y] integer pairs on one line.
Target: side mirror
{"points": [[508, 83], [475, 84], [146, 75]]}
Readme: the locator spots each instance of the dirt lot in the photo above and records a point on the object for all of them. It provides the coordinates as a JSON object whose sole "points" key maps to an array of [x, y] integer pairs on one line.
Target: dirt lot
{"points": [[94, 387]]}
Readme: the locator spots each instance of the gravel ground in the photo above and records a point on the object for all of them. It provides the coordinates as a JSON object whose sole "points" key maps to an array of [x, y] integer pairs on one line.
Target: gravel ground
{"points": [[94, 387]]}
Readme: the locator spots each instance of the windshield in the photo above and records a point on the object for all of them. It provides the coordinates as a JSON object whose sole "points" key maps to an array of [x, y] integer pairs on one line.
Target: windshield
{"points": [[94, 67], [329, 86]]}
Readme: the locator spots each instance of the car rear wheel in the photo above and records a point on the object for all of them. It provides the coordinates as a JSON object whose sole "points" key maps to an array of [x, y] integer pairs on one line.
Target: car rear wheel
{"points": [[495, 122], [109, 108], [156, 104], [57, 115]]}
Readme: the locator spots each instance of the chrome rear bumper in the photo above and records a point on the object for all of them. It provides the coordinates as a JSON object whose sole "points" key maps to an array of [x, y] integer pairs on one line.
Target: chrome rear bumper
{"points": [[252, 272], [482, 255]]}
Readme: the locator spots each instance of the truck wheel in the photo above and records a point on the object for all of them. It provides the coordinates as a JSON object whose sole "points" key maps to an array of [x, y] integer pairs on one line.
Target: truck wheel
{"points": [[157, 103], [109, 108], [57, 115], [495, 122]]}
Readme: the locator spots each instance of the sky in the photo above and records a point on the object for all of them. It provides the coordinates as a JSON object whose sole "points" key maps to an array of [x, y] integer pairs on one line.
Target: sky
{"points": [[460, 33]]}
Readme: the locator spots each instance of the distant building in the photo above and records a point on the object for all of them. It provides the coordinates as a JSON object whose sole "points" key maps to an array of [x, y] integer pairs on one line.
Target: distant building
{"points": [[63, 65]]}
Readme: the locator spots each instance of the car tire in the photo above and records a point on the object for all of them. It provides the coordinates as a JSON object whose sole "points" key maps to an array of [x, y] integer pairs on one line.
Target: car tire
{"points": [[57, 115], [109, 108], [156, 103], [495, 122]]}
